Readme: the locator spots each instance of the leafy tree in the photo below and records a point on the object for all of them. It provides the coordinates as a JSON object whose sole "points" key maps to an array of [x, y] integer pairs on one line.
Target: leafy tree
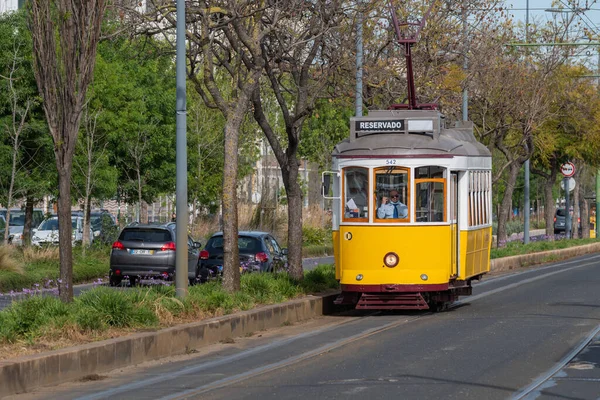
{"points": [[134, 93]]}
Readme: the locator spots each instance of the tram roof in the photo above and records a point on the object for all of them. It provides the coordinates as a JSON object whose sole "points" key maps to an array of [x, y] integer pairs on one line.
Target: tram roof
{"points": [[408, 133]]}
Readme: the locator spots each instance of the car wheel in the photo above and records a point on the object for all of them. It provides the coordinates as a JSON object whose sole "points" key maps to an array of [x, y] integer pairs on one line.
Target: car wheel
{"points": [[132, 281], [114, 281]]}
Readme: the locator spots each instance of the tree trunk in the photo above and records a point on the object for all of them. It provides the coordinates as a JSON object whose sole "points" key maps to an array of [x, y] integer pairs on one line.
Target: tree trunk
{"points": [[549, 207], [294, 197], [231, 263], [27, 228], [65, 248], [506, 204], [87, 240], [143, 212]]}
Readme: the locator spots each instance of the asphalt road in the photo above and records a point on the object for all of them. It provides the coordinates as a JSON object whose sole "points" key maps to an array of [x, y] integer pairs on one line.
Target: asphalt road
{"points": [[523, 335]]}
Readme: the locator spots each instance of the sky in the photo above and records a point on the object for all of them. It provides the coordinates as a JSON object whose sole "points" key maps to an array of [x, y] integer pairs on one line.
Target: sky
{"points": [[590, 16]]}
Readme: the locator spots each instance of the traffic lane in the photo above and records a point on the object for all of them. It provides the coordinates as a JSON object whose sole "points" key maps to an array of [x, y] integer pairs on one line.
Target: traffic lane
{"points": [[308, 264], [579, 378], [488, 348]]}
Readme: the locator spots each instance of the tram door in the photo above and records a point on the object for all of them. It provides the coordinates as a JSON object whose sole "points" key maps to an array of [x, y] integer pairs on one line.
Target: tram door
{"points": [[454, 232]]}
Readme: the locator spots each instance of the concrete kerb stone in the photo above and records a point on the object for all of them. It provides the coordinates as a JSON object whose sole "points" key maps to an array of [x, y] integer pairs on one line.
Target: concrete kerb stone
{"points": [[521, 261], [52, 368]]}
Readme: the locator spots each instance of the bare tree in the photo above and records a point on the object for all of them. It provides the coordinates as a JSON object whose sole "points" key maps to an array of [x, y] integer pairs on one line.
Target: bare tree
{"points": [[65, 38], [92, 154], [19, 110]]}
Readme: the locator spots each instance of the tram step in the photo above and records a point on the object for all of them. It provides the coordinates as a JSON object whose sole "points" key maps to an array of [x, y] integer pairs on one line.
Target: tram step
{"points": [[389, 301]]}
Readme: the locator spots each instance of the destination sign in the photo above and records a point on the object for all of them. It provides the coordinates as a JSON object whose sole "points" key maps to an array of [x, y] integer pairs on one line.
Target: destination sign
{"points": [[390, 125]]}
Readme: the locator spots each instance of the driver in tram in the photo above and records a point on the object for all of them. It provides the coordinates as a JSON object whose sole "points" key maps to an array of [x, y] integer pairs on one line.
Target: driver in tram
{"points": [[393, 208]]}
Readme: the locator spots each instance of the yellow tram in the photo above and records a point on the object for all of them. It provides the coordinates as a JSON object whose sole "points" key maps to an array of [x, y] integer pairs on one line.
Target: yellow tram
{"points": [[422, 248]]}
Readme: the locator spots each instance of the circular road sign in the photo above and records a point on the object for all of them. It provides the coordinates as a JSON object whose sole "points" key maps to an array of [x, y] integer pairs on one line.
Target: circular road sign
{"points": [[568, 169]]}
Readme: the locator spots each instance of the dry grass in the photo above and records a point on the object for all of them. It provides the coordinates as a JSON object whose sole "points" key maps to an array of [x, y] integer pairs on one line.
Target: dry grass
{"points": [[35, 254], [9, 260]]}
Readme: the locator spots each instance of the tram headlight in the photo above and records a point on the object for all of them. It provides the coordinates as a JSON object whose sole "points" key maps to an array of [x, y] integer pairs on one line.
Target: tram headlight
{"points": [[424, 277], [391, 259], [359, 277]]}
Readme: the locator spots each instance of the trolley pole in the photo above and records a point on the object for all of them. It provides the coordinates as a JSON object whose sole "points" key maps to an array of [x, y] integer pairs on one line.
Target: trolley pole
{"points": [[359, 61]]}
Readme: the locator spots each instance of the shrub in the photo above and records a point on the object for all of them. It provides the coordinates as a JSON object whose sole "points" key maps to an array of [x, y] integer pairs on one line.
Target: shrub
{"points": [[315, 236]]}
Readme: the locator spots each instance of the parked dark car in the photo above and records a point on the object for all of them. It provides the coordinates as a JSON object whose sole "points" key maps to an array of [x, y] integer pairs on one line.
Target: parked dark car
{"points": [[560, 221], [147, 251], [258, 251]]}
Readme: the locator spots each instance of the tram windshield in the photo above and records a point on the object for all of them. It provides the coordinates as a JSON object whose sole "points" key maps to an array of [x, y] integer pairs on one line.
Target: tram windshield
{"points": [[356, 193], [396, 191], [392, 193]]}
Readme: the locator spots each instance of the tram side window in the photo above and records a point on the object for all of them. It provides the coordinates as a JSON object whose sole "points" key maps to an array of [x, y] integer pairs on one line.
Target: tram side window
{"points": [[392, 193], [480, 194], [429, 201], [356, 193], [430, 188]]}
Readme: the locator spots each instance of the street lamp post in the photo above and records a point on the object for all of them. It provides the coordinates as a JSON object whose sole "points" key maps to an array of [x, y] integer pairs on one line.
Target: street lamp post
{"points": [[526, 166]]}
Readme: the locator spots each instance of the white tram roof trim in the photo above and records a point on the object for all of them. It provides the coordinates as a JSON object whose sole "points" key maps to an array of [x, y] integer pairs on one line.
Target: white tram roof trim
{"points": [[409, 132]]}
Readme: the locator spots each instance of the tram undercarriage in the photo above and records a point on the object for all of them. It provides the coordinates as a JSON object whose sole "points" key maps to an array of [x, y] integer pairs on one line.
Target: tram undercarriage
{"points": [[404, 297]]}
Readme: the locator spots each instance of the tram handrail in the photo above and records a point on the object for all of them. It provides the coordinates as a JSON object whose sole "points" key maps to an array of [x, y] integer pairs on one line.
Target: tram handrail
{"points": [[325, 185]]}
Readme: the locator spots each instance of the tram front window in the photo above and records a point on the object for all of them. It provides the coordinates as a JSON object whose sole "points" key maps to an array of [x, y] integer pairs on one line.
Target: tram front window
{"points": [[356, 197], [430, 194], [391, 191]]}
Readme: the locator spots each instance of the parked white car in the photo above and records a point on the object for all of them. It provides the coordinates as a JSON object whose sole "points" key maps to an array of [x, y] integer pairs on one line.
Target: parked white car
{"points": [[47, 232]]}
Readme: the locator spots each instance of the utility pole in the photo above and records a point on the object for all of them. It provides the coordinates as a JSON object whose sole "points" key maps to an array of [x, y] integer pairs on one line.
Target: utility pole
{"points": [[526, 166], [598, 171], [181, 249]]}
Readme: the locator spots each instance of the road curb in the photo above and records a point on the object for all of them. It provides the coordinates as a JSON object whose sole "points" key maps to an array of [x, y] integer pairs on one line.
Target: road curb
{"points": [[52, 368], [510, 263]]}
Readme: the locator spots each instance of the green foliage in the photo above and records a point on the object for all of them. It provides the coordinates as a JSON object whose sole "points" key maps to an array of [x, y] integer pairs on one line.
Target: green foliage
{"points": [[320, 279], [517, 247], [36, 171], [134, 95], [327, 126], [312, 236]]}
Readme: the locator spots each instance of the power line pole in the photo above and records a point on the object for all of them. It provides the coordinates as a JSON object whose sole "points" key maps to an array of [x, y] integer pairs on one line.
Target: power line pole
{"points": [[526, 166], [181, 249]]}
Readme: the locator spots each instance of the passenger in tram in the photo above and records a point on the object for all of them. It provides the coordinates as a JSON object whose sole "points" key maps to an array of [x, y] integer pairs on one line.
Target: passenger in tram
{"points": [[393, 208]]}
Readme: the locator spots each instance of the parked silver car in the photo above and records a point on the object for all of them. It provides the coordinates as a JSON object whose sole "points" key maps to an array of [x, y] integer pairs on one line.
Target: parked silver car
{"points": [[147, 251], [47, 233]]}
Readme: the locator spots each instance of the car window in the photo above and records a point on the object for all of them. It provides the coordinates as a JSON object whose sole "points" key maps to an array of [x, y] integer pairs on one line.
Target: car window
{"points": [[269, 245], [215, 243], [275, 244], [49, 225], [245, 244], [248, 244], [561, 212], [146, 235]]}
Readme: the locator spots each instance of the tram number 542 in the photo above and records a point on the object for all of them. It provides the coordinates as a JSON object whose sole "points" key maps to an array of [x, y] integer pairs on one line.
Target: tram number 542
{"points": [[390, 162]]}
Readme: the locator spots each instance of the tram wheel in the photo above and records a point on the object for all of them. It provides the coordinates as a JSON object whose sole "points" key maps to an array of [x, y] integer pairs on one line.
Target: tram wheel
{"points": [[438, 306]]}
